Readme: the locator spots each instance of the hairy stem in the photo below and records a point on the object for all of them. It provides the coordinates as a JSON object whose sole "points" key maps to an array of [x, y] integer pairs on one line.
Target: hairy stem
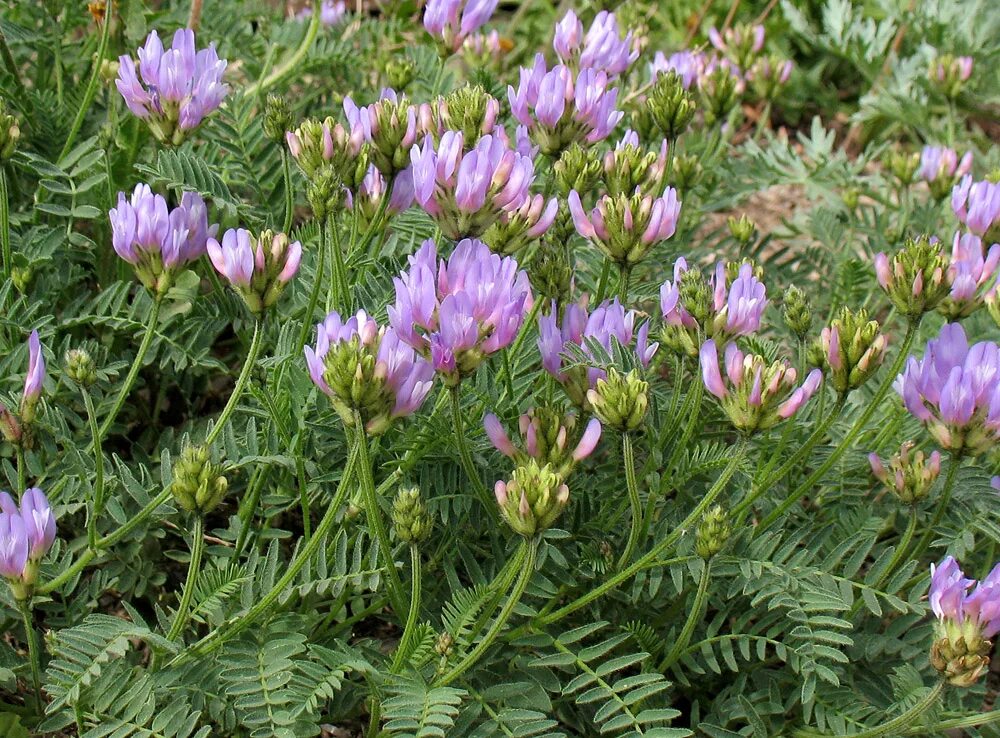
{"points": [[307, 319], [22, 472], [194, 567], [946, 491], [602, 283], [414, 613], [97, 501], [34, 658], [292, 62], [894, 726], [338, 294], [91, 90], [694, 615], [466, 456], [5, 251], [286, 170], [241, 383], [628, 456]]}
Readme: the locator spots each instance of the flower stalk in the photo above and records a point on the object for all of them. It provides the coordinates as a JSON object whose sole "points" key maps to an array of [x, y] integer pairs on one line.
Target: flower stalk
{"points": [[191, 581]]}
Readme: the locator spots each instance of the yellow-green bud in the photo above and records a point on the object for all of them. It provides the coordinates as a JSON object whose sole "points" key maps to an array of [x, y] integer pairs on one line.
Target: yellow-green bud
{"points": [[903, 166], [916, 278], [578, 169], [687, 172], [551, 269], [198, 485], [10, 132], [471, 110], [670, 107], [21, 277], [796, 313], [277, 118], [712, 533], [410, 519], [533, 498], [399, 73], [621, 400], [80, 367], [853, 348], [324, 192], [742, 229]]}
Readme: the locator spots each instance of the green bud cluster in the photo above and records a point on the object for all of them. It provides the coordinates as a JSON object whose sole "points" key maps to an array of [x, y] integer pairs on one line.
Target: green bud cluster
{"points": [[277, 118], [551, 273], [533, 498], [796, 313], [471, 110], [410, 519], [628, 166], [10, 133], [903, 166], [851, 349], [719, 94], [577, 169], [267, 284], [80, 367], [960, 653], [620, 401], [742, 229], [357, 382], [198, 485], [916, 278], [712, 533], [909, 476], [686, 172], [670, 107], [399, 72], [324, 193]]}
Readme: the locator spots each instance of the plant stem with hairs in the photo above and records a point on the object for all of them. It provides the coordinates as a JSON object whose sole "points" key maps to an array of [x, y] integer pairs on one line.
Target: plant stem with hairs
{"points": [[891, 727], [628, 456], [34, 658], [466, 457], [194, 567], [414, 613], [241, 382], [97, 501], [694, 615], [91, 89]]}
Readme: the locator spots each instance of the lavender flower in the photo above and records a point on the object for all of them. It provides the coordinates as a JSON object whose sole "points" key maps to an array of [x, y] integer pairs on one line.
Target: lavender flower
{"points": [[909, 477], [465, 193], [366, 368], [461, 309], [13, 546], [452, 21], [740, 43], [603, 48], [966, 621], [156, 241], [514, 230], [179, 86], [558, 110], [331, 12], [940, 167], [626, 227], [373, 191], [607, 323], [36, 370], [547, 436], [392, 125], [971, 274], [976, 204], [689, 66], [757, 395], [26, 535], [955, 391], [257, 268]]}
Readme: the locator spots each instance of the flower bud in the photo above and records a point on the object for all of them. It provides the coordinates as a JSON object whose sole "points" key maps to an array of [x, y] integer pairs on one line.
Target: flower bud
{"points": [[516, 229], [629, 166], [948, 74], [257, 268], [21, 277], [80, 367], [687, 172], [198, 485], [548, 436], [471, 110], [577, 169], [916, 278], [909, 476], [410, 519], [768, 75], [992, 303], [796, 313], [34, 379], [277, 118], [10, 426], [903, 166], [670, 106], [720, 91], [621, 400], [10, 132], [533, 498], [853, 348], [743, 229], [551, 272], [443, 645], [712, 533], [399, 72], [324, 193]]}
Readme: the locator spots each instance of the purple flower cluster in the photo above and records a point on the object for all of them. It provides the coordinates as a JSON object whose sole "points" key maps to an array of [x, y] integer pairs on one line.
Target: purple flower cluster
{"points": [[258, 268], [739, 43], [625, 227], [452, 21], [976, 204], [940, 162], [545, 437], [155, 239], [331, 12], [466, 192], [965, 621], [558, 108], [688, 65], [362, 367], [972, 274], [461, 309], [607, 323], [602, 48], [954, 389], [26, 535], [179, 86], [735, 308]]}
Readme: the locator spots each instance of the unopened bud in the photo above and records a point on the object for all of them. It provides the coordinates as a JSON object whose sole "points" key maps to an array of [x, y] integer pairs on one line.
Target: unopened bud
{"points": [[198, 485], [742, 229], [577, 169], [687, 172], [10, 132], [712, 533], [909, 475], [277, 118], [621, 400], [410, 519], [670, 107], [399, 73], [80, 367], [796, 313]]}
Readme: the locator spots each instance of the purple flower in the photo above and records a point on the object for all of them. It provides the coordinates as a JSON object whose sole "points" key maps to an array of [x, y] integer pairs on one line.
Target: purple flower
{"points": [[976, 204], [995, 483], [392, 125], [330, 14], [689, 66], [178, 86], [940, 162], [625, 227], [39, 522], [909, 476], [603, 47], [36, 370], [366, 368], [607, 323], [461, 309], [558, 110], [13, 545], [258, 268], [466, 193], [547, 437], [374, 189], [155, 240], [971, 275], [740, 43], [954, 389], [451, 21], [757, 395], [515, 230], [26, 534]]}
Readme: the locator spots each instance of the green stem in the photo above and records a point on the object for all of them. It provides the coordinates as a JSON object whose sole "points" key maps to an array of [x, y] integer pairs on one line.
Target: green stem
{"points": [[300, 473], [5, 250], [694, 615], [241, 382], [414, 614], [251, 501], [970, 721], [21, 468], [33, 656], [946, 491], [624, 277], [133, 372], [628, 456], [8, 60], [307, 319], [292, 62], [654, 553], [466, 457], [88, 95], [602, 283], [97, 501], [239, 624], [691, 408], [507, 374], [286, 169], [194, 567], [508, 609], [852, 434], [339, 292], [891, 727], [373, 514], [501, 583]]}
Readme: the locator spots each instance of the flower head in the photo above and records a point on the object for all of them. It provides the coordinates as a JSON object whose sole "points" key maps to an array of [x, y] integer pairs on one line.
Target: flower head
{"points": [[466, 193], [602, 48], [757, 394], [515, 229], [851, 349], [741, 43], [559, 108], [547, 436], [452, 21], [950, 73], [626, 227], [940, 167], [367, 369], [391, 125], [331, 12], [972, 275], [976, 204], [629, 166], [909, 476], [26, 535], [532, 499], [687, 65], [178, 86], [34, 378], [461, 309], [916, 278], [257, 268], [954, 389]]}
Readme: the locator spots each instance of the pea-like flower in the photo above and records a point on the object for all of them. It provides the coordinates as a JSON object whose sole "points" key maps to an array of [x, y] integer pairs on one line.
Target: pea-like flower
{"points": [[608, 323], [547, 436], [158, 241], [26, 535], [629, 166], [917, 277], [941, 166], [559, 109], [851, 349], [178, 86], [257, 268], [452, 21], [972, 275], [34, 379], [688, 65], [331, 12], [626, 227], [459, 310], [976, 204], [909, 476], [465, 193], [373, 191], [602, 48], [966, 621], [392, 125], [366, 368], [954, 390], [515, 229], [950, 73], [317, 145], [769, 74], [758, 394]]}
